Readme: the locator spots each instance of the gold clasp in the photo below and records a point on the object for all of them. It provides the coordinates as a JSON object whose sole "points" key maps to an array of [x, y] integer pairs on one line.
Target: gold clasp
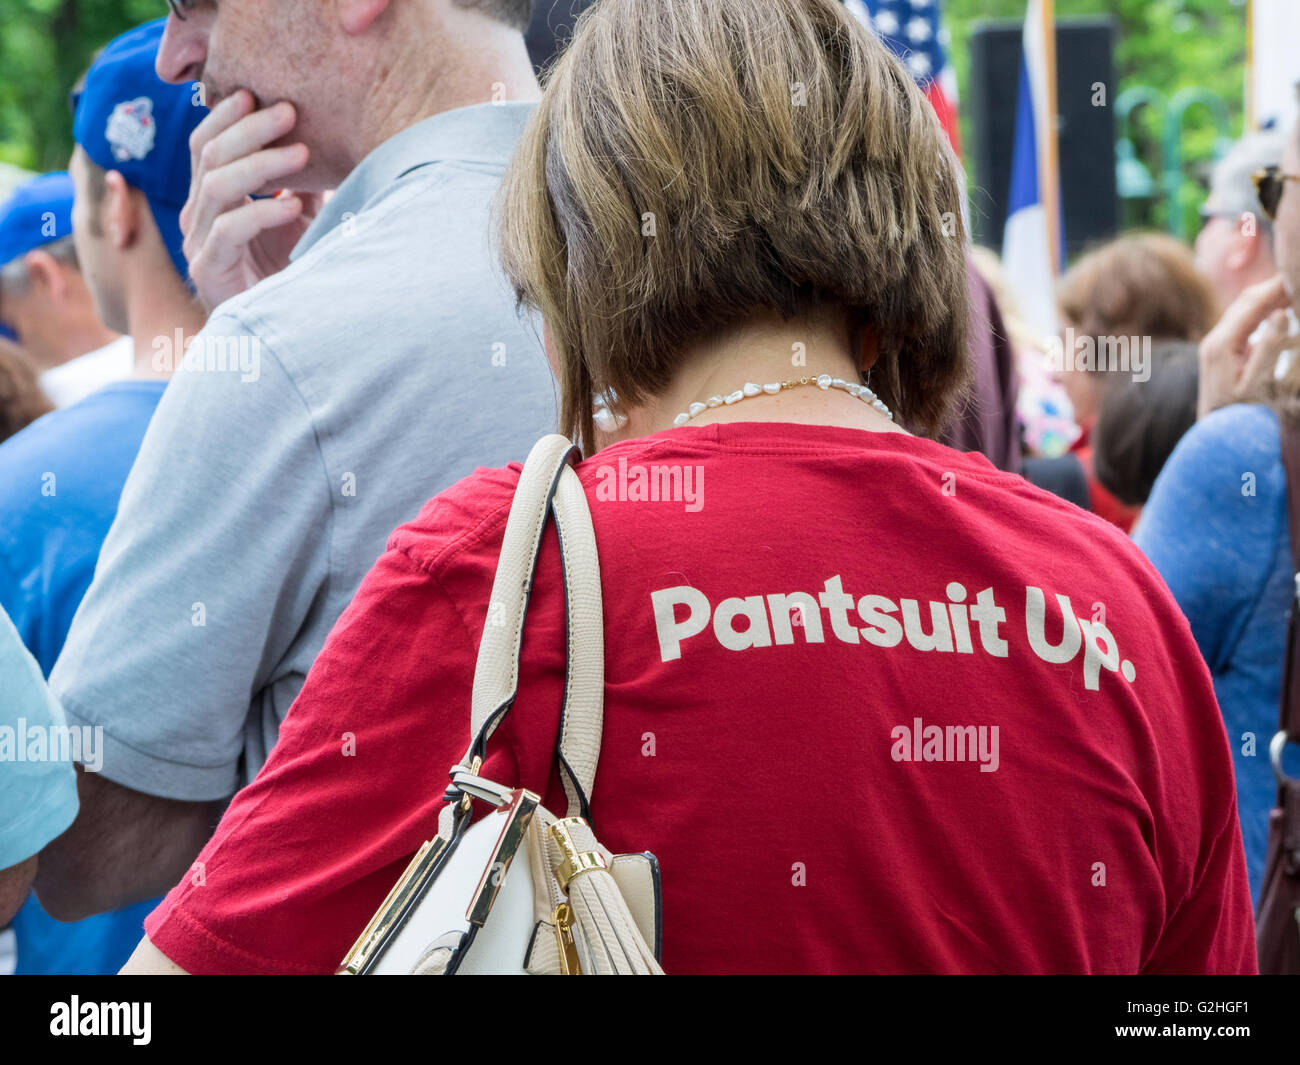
{"points": [[562, 918], [575, 862]]}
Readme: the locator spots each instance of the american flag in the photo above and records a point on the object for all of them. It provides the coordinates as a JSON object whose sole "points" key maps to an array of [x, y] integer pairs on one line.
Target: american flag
{"points": [[913, 30]]}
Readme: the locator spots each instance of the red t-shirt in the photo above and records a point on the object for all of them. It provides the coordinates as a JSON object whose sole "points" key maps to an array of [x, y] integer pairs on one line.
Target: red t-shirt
{"points": [[907, 764]]}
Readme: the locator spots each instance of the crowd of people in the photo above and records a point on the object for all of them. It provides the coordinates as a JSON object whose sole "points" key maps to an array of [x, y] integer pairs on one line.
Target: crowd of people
{"points": [[317, 279]]}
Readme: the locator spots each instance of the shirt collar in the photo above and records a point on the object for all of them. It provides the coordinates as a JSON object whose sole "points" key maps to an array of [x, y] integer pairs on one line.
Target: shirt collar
{"points": [[483, 133]]}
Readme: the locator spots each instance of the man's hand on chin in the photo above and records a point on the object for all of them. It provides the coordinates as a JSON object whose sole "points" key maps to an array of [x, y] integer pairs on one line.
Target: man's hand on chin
{"points": [[233, 241]]}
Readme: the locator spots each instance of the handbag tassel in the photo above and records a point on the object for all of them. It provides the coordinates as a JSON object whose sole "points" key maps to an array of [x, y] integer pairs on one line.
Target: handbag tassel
{"points": [[615, 946]]}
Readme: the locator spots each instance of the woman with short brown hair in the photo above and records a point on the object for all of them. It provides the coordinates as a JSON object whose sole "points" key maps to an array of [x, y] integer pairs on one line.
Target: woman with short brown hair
{"points": [[807, 183], [1140, 284], [1116, 303], [861, 698]]}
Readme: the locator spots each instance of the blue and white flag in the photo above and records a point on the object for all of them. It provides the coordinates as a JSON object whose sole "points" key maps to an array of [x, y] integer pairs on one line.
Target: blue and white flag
{"points": [[1032, 242]]}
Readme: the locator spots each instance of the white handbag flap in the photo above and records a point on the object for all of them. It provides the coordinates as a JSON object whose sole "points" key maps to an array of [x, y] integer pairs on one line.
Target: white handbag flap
{"points": [[477, 867]]}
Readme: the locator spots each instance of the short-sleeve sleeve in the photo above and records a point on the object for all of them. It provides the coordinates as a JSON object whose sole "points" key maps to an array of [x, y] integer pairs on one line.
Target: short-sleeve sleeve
{"points": [[38, 789], [308, 851], [1213, 931], [183, 624], [1212, 522]]}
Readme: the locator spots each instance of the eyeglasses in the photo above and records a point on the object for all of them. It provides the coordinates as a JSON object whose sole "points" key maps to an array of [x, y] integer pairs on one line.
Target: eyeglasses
{"points": [[1270, 183]]}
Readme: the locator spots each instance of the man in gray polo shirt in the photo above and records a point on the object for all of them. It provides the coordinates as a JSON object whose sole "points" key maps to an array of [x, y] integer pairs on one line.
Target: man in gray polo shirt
{"points": [[316, 412]]}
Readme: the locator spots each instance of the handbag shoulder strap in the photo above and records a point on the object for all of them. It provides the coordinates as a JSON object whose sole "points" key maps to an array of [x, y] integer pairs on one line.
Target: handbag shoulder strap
{"points": [[582, 717], [1289, 714], [547, 485]]}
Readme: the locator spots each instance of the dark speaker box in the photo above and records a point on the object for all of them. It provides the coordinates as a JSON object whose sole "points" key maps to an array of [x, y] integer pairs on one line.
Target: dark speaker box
{"points": [[1086, 132], [551, 28]]}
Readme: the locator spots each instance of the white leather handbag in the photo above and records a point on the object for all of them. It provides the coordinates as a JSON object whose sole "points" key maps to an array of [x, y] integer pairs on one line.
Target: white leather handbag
{"points": [[520, 890]]}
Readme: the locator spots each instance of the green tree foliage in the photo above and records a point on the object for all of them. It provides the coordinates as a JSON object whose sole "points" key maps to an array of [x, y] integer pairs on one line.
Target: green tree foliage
{"points": [[45, 46], [1167, 45]]}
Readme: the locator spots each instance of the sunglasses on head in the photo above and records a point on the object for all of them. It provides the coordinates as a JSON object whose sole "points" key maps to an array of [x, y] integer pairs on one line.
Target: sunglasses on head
{"points": [[1270, 183]]}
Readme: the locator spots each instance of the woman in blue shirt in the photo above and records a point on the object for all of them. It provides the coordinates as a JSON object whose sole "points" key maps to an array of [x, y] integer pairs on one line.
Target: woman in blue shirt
{"points": [[1216, 528]]}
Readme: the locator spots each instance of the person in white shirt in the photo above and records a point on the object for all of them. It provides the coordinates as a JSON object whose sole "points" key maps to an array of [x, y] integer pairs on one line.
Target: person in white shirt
{"points": [[71, 382], [44, 299]]}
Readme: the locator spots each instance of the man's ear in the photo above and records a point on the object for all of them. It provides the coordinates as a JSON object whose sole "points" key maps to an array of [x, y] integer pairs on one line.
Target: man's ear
{"points": [[357, 16], [1249, 247], [119, 213], [45, 272]]}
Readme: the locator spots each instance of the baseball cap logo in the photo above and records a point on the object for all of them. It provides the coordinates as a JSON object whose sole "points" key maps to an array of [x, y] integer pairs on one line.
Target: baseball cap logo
{"points": [[131, 129]]}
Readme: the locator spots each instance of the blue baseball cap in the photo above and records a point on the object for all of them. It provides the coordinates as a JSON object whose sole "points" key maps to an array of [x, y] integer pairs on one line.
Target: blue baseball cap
{"points": [[130, 120], [38, 213]]}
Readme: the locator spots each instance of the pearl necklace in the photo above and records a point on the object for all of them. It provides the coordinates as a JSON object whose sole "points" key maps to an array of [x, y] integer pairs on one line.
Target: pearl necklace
{"points": [[825, 382]]}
